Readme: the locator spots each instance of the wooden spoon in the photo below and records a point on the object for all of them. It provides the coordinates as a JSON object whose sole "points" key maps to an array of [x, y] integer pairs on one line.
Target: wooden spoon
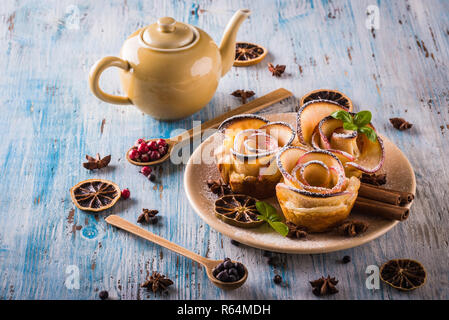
{"points": [[207, 263], [250, 107]]}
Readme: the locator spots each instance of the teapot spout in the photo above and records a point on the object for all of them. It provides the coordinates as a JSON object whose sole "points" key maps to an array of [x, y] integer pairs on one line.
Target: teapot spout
{"points": [[227, 46]]}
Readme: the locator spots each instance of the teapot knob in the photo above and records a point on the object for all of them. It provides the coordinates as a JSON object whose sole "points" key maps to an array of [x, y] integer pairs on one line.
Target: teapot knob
{"points": [[166, 24]]}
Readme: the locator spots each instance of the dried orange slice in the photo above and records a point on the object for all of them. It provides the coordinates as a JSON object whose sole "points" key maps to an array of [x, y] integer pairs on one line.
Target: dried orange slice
{"points": [[329, 95], [403, 274], [248, 54], [95, 194], [238, 210]]}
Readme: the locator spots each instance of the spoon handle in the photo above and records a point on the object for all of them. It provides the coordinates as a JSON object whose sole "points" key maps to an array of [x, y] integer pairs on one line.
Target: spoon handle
{"points": [[250, 107], [138, 231]]}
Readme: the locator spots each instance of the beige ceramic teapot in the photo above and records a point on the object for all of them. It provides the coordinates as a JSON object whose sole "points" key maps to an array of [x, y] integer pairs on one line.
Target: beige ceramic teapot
{"points": [[170, 70]]}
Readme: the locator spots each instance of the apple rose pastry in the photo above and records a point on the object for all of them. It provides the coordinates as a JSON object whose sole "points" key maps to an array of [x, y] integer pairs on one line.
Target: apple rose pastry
{"points": [[246, 159], [315, 193], [355, 142]]}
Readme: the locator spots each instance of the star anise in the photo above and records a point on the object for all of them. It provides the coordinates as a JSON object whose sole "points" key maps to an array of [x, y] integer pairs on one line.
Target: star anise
{"points": [[247, 51], [353, 228], [400, 123], [324, 286], [96, 163], [295, 231], [276, 71], [243, 95], [218, 187], [148, 216], [374, 179], [157, 282]]}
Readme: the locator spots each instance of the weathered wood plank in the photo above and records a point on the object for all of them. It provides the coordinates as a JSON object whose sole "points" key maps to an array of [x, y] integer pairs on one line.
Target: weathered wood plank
{"points": [[50, 120]]}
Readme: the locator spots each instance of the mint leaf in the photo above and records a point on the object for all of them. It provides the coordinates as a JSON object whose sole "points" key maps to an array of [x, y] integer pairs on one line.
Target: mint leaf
{"points": [[280, 228], [342, 115], [269, 214], [362, 118], [266, 210], [369, 132], [349, 126]]}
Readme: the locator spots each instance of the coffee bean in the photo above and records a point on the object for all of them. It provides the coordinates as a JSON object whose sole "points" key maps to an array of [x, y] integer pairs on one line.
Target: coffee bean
{"points": [[277, 279], [240, 269], [228, 264], [103, 295], [232, 278], [234, 272], [223, 276]]}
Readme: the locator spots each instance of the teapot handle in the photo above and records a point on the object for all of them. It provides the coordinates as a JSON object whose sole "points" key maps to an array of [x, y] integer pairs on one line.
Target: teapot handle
{"points": [[94, 77]]}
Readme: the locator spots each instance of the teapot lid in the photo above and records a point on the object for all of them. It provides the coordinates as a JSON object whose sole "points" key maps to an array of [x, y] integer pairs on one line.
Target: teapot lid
{"points": [[167, 33]]}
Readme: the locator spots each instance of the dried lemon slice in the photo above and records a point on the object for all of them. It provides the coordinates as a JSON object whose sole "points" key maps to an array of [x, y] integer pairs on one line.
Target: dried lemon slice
{"points": [[403, 274], [248, 54], [238, 210], [95, 194], [330, 95]]}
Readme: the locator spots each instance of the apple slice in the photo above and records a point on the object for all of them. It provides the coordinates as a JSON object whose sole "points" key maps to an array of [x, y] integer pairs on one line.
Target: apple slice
{"points": [[372, 154], [281, 131], [314, 211], [310, 115]]}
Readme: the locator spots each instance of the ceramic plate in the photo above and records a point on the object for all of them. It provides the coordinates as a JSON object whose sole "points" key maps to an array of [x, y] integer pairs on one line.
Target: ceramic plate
{"points": [[400, 176]]}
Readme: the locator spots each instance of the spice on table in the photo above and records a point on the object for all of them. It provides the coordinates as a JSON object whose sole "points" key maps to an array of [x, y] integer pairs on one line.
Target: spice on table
{"points": [[148, 216], [277, 279], [374, 179], [353, 228], [403, 274], [96, 163], [324, 286], [152, 177], [157, 282], [400, 123], [218, 187], [276, 71], [103, 295], [346, 259], [295, 232], [243, 95]]}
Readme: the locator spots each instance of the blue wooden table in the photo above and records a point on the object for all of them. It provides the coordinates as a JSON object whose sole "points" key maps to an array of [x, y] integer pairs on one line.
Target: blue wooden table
{"points": [[390, 57]]}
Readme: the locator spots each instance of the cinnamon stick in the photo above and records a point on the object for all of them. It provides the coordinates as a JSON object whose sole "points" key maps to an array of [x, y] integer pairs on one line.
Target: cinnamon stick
{"points": [[382, 209], [390, 196]]}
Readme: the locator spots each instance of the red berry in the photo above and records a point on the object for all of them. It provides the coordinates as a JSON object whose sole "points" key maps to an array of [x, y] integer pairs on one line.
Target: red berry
{"points": [[154, 155], [125, 193], [161, 142], [162, 150], [134, 154], [143, 148], [152, 145], [138, 142], [146, 171], [145, 157]]}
